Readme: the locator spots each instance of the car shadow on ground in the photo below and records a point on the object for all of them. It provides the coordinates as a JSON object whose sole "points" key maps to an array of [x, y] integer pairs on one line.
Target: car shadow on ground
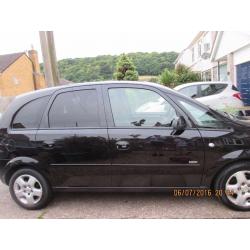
{"points": [[120, 206], [138, 205]]}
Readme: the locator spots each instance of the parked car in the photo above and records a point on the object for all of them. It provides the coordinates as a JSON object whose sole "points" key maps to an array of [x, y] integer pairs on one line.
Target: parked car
{"points": [[217, 95], [114, 136]]}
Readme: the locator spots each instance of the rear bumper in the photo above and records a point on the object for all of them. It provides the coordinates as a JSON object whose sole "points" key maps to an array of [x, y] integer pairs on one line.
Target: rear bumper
{"points": [[3, 170]]}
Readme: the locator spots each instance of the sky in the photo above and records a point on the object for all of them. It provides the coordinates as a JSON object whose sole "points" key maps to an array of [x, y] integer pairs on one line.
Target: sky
{"points": [[79, 43], [96, 27]]}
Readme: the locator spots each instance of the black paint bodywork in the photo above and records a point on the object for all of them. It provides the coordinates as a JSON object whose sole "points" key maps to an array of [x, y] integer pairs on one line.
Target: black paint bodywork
{"points": [[108, 157]]}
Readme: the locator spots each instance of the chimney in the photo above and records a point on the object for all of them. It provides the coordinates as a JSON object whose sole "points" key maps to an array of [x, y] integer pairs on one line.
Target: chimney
{"points": [[39, 80]]}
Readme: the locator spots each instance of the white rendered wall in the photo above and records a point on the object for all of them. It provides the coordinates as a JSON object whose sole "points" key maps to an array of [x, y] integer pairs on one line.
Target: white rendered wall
{"points": [[242, 55], [232, 41]]}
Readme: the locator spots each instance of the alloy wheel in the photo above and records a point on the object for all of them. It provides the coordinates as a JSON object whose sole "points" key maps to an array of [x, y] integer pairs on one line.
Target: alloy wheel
{"points": [[28, 190], [238, 188]]}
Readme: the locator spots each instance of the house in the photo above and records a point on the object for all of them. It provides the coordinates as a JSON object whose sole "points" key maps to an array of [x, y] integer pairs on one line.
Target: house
{"points": [[20, 73], [219, 56]]}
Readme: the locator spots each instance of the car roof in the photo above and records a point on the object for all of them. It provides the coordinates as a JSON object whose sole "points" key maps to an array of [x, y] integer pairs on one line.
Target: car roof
{"points": [[51, 90], [197, 83]]}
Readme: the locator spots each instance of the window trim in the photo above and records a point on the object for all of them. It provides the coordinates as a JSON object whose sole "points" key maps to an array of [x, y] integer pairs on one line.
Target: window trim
{"points": [[73, 90]]}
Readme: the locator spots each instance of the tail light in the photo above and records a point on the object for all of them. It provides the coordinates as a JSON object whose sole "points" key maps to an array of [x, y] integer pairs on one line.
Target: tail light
{"points": [[237, 95]]}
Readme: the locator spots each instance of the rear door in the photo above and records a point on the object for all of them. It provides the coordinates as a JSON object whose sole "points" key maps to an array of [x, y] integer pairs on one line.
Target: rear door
{"points": [[73, 138]]}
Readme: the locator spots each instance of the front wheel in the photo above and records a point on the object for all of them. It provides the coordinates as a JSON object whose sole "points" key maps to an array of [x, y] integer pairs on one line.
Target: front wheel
{"points": [[29, 189], [235, 184]]}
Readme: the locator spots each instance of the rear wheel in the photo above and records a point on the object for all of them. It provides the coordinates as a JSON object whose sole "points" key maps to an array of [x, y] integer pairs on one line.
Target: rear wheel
{"points": [[235, 185], [29, 189]]}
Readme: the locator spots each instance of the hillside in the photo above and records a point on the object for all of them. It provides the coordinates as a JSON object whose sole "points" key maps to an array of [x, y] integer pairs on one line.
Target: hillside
{"points": [[102, 67]]}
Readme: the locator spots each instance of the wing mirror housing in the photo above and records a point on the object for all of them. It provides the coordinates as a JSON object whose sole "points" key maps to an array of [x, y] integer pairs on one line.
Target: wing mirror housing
{"points": [[179, 125]]}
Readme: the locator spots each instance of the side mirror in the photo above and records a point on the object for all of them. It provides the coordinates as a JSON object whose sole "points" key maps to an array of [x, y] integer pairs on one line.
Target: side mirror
{"points": [[179, 125]]}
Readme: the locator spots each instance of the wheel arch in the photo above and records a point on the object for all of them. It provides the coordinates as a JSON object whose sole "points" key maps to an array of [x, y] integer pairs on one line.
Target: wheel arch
{"points": [[215, 176], [18, 163]]}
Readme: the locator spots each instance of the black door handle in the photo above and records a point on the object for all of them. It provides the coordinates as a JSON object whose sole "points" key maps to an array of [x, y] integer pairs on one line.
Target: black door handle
{"points": [[122, 145]]}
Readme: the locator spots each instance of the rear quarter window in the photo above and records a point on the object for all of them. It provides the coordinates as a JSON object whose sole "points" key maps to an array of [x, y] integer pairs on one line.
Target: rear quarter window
{"points": [[212, 89], [30, 115]]}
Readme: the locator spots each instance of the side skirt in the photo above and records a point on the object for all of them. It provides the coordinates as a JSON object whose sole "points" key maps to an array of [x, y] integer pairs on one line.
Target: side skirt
{"points": [[122, 189]]}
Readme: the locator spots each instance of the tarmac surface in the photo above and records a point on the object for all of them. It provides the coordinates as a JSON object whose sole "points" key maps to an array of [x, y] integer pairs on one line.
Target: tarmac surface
{"points": [[119, 206]]}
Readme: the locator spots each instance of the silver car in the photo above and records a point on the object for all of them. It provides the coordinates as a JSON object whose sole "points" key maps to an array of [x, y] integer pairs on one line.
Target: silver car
{"points": [[217, 95]]}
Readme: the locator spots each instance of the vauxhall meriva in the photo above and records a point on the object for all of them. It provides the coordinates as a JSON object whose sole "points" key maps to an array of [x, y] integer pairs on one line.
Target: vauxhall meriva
{"points": [[113, 136]]}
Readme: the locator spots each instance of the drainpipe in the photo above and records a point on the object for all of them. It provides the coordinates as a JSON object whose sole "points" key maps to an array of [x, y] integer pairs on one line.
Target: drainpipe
{"points": [[218, 66], [230, 67]]}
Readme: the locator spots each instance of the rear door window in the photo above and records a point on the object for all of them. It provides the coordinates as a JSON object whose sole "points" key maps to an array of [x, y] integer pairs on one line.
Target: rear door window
{"points": [[212, 89], [30, 115], [75, 109]]}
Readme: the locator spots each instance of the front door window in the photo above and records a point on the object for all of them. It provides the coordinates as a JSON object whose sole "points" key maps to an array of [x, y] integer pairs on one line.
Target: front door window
{"points": [[133, 107]]}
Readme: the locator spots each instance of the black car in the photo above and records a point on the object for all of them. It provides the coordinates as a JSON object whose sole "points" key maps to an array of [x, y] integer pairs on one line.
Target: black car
{"points": [[114, 136]]}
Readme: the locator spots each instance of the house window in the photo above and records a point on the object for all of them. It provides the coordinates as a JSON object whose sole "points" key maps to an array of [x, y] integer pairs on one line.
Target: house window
{"points": [[215, 74], [206, 75], [199, 49], [193, 54], [206, 47], [223, 73]]}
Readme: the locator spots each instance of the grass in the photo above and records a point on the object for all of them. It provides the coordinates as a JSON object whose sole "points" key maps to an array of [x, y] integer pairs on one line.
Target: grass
{"points": [[41, 216], [148, 78]]}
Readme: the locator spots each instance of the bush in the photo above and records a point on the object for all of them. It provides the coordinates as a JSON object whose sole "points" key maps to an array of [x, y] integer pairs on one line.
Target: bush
{"points": [[181, 74], [168, 77]]}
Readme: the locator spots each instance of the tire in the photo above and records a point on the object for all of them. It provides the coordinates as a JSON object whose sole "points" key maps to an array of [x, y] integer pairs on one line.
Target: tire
{"points": [[29, 189], [230, 182]]}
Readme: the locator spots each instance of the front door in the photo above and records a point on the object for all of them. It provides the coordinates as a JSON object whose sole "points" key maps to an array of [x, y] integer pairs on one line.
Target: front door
{"points": [[73, 139], [145, 151]]}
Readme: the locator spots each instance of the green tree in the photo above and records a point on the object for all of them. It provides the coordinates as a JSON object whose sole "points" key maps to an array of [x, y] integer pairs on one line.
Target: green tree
{"points": [[102, 67], [125, 69]]}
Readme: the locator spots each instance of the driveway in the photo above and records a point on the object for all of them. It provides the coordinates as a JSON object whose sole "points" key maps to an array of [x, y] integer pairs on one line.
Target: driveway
{"points": [[120, 205]]}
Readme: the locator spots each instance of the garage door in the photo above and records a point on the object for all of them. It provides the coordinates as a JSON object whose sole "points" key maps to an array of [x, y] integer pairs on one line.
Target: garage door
{"points": [[243, 81]]}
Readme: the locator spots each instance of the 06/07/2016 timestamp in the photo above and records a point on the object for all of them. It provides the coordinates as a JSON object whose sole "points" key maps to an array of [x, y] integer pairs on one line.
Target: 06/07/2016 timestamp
{"points": [[201, 192]]}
